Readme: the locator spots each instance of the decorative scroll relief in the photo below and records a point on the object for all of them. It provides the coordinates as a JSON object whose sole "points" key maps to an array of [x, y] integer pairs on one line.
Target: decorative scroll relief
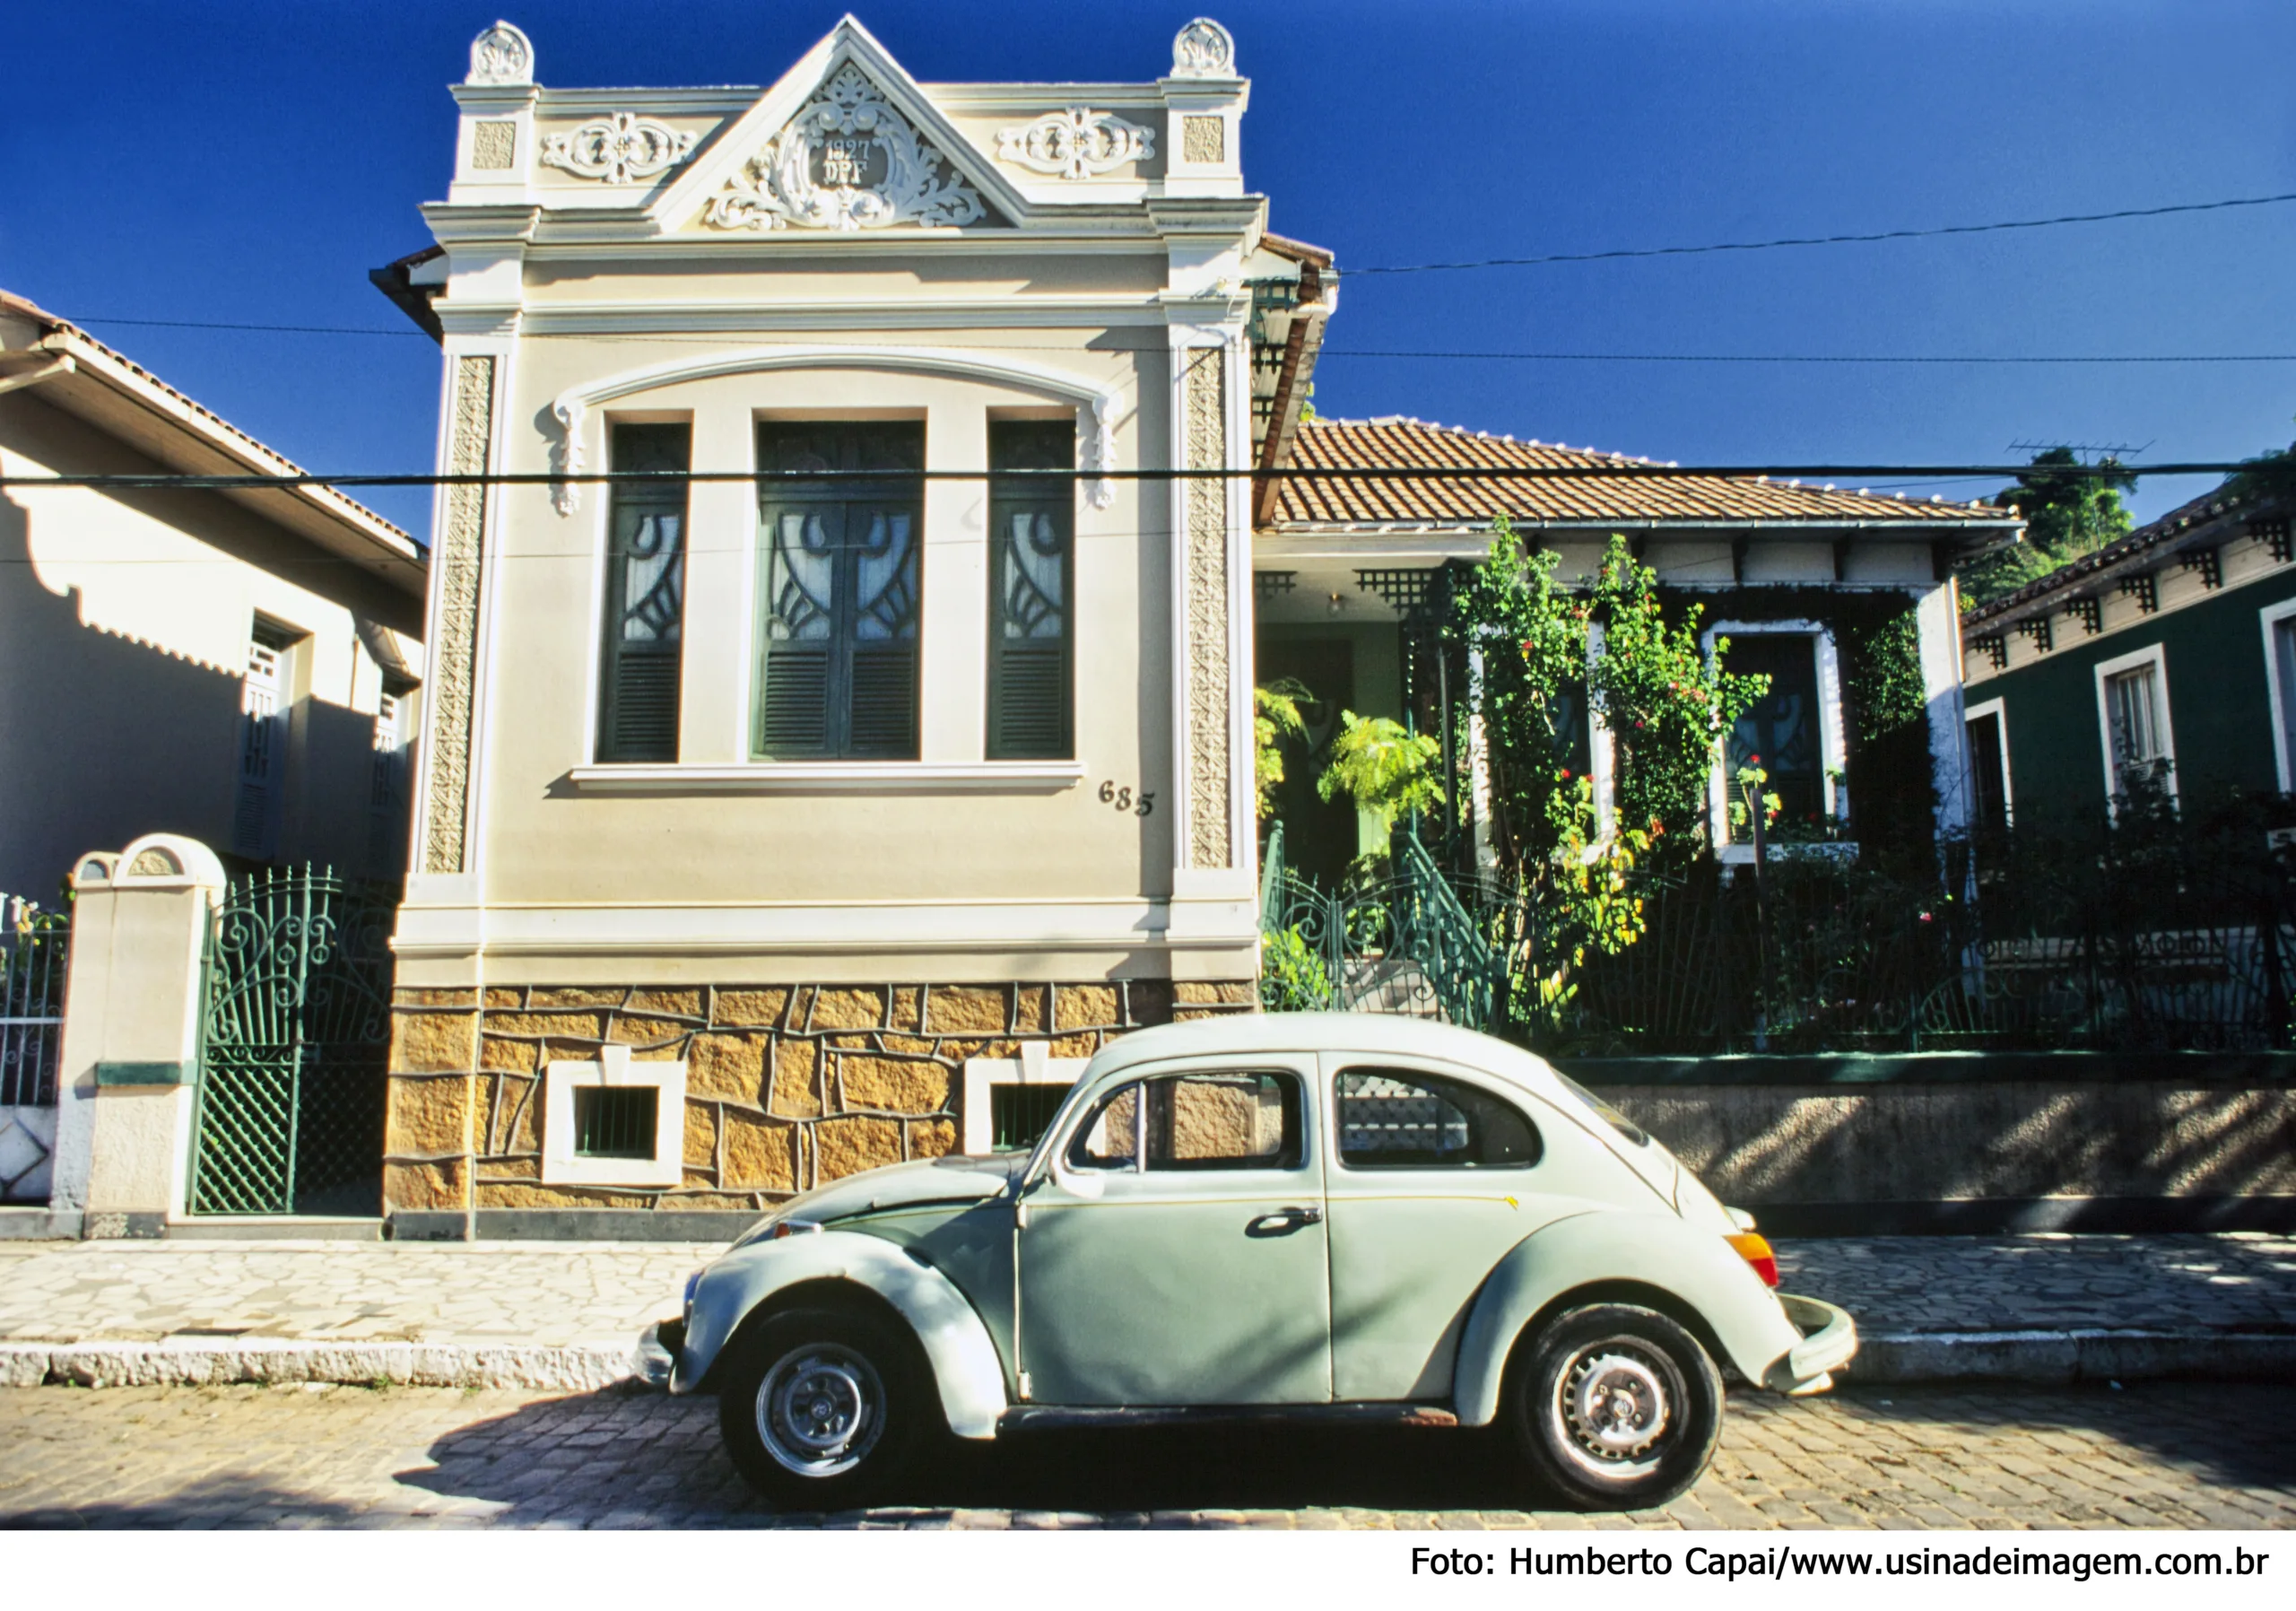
{"points": [[1210, 838], [847, 161], [1203, 49], [619, 149], [1075, 145], [454, 675], [502, 55]]}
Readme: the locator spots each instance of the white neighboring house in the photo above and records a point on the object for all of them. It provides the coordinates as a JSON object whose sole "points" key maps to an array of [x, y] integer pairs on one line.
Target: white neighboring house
{"points": [[242, 668]]}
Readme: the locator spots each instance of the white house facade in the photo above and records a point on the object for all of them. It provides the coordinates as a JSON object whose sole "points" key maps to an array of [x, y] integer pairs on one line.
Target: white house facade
{"points": [[820, 754]]}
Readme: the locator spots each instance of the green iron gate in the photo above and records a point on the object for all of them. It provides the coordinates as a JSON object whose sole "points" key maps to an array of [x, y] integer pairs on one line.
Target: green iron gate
{"points": [[295, 1042]]}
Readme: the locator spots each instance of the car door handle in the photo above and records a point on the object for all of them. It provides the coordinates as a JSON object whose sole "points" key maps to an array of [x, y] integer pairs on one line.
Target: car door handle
{"points": [[1279, 1222]]}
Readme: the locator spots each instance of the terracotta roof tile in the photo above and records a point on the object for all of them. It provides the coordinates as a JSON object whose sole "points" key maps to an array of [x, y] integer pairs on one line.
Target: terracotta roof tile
{"points": [[1397, 443]]}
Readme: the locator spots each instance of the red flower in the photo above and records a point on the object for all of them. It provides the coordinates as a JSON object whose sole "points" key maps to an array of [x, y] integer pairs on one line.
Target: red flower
{"points": [[1566, 774]]}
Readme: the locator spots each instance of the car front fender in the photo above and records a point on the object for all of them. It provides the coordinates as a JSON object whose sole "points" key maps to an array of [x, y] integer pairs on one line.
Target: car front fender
{"points": [[1696, 1267], [965, 1368]]}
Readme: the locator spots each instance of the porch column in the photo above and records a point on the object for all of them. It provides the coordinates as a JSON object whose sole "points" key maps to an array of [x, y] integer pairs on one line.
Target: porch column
{"points": [[1938, 619]]}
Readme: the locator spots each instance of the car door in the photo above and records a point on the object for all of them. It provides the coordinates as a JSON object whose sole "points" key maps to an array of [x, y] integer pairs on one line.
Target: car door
{"points": [[1172, 1251], [1432, 1177]]}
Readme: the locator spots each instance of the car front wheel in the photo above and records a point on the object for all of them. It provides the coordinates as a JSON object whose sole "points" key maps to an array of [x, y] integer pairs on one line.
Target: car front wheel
{"points": [[822, 1408], [1615, 1406]]}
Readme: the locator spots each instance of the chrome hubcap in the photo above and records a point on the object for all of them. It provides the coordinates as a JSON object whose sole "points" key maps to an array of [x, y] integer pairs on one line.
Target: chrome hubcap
{"points": [[1615, 1405], [819, 1410]]}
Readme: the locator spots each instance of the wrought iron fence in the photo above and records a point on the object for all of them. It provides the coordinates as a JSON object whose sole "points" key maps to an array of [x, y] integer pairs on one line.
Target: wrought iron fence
{"points": [[1397, 941], [2129, 942], [296, 1033], [34, 947], [2186, 951]]}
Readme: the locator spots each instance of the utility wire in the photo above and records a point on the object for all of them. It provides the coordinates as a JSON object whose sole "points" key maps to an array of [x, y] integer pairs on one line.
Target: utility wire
{"points": [[1764, 246], [1329, 352], [1791, 475]]}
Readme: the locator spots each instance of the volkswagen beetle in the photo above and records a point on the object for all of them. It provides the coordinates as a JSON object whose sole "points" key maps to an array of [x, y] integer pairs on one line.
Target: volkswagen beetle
{"points": [[1286, 1214]]}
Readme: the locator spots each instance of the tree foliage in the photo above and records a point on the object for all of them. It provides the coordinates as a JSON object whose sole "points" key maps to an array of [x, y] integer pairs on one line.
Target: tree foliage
{"points": [[1536, 664], [2066, 516], [1667, 702], [1275, 721]]}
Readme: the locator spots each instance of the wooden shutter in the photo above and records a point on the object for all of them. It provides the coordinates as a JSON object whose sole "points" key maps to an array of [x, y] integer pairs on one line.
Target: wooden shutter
{"points": [[1031, 604], [643, 658], [839, 567], [794, 718], [883, 723]]}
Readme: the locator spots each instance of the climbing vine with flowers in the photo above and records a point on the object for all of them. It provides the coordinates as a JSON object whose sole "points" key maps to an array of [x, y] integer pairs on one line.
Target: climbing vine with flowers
{"points": [[1539, 654]]}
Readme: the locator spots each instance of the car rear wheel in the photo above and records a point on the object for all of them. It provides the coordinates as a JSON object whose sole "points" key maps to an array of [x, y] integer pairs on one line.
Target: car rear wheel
{"points": [[822, 1408], [1615, 1406]]}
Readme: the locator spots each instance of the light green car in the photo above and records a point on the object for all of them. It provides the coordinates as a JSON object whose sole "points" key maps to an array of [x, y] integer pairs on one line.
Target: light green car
{"points": [[1311, 1214]]}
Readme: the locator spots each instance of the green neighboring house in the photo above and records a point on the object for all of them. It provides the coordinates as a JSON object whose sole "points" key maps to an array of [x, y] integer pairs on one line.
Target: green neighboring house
{"points": [[2169, 657]]}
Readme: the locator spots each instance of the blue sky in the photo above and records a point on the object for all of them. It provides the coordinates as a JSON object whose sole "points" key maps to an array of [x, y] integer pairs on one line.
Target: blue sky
{"points": [[250, 162]]}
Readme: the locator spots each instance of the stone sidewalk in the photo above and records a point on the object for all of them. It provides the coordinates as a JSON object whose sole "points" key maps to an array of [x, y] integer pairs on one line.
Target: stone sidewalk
{"points": [[2043, 1307]]}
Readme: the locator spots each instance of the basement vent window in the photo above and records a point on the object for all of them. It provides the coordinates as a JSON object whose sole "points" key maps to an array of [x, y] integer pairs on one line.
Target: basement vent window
{"points": [[610, 1123], [615, 1121], [1010, 1102], [1019, 1115]]}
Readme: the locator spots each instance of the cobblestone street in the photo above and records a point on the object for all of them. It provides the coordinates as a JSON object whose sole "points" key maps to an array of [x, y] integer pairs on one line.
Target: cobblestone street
{"points": [[2156, 1455]]}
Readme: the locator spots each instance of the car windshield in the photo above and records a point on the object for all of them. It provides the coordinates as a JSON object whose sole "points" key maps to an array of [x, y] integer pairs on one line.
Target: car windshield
{"points": [[1617, 1121]]}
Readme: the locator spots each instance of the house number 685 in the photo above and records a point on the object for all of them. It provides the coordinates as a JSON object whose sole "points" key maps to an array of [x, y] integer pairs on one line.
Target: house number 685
{"points": [[1123, 799]]}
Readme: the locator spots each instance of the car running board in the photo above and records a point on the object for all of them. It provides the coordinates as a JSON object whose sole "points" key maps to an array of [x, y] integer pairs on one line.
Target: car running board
{"points": [[1038, 1418]]}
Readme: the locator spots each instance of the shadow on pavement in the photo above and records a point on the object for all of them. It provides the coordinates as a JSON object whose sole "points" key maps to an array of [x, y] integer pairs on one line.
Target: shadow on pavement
{"points": [[636, 1452], [2232, 1434]]}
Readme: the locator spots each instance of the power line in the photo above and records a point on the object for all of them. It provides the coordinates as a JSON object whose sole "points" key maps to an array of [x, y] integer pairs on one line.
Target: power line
{"points": [[1764, 246], [1451, 355], [1791, 475]]}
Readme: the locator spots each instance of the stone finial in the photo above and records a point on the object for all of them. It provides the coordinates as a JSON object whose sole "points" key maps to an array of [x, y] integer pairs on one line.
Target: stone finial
{"points": [[502, 55], [1203, 49]]}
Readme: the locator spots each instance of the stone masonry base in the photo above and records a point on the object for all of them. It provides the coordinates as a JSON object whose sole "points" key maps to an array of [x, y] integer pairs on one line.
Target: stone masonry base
{"points": [[787, 1086]]}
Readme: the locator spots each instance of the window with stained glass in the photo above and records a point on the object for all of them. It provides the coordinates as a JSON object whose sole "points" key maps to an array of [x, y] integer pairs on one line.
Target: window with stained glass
{"points": [[840, 570], [1032, 583], [645, 613]]}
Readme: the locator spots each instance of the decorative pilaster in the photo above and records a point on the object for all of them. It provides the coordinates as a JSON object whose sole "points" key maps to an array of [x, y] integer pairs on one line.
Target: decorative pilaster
{"points": [[454, 666], [1210, 835]]}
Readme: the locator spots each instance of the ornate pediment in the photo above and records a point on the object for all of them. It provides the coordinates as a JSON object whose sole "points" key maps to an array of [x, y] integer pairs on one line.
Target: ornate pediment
{"points": [[848, 161]]}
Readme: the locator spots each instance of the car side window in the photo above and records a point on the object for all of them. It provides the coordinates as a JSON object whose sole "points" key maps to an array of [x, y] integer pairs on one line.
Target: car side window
{"points": [[1111, 1137], [1401, 1119], [1224, 1120], [1213, 1119]]}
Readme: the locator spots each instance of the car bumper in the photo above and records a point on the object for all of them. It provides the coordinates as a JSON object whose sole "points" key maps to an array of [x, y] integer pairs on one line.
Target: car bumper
{"points": [[657, 1355], [1829, 1341]]}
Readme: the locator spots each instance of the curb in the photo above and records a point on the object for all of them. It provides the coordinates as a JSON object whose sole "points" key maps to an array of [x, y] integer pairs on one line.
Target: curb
{"points": [[2039, 1356], [207, 1362], [2071, 1355]]}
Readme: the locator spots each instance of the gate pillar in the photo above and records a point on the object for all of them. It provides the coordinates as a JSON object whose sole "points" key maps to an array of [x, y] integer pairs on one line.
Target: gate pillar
{"points": [[131, 1033]]}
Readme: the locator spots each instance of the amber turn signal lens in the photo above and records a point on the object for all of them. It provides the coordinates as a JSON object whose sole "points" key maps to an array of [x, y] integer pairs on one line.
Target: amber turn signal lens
{"points": [[1756, 1251]]}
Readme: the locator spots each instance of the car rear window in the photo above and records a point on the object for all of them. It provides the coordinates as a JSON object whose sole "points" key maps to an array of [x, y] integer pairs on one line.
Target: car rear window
{"points": [[1402, 1118], [1609, 1115]]}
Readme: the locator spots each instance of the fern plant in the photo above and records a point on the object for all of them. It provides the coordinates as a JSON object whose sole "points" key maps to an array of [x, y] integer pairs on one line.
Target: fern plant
{"points": [[1386, 769]]}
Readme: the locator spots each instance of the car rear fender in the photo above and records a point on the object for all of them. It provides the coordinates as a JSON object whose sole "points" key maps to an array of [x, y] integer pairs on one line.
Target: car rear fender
{"points": [[966, 1367], [1697, 1269]]}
